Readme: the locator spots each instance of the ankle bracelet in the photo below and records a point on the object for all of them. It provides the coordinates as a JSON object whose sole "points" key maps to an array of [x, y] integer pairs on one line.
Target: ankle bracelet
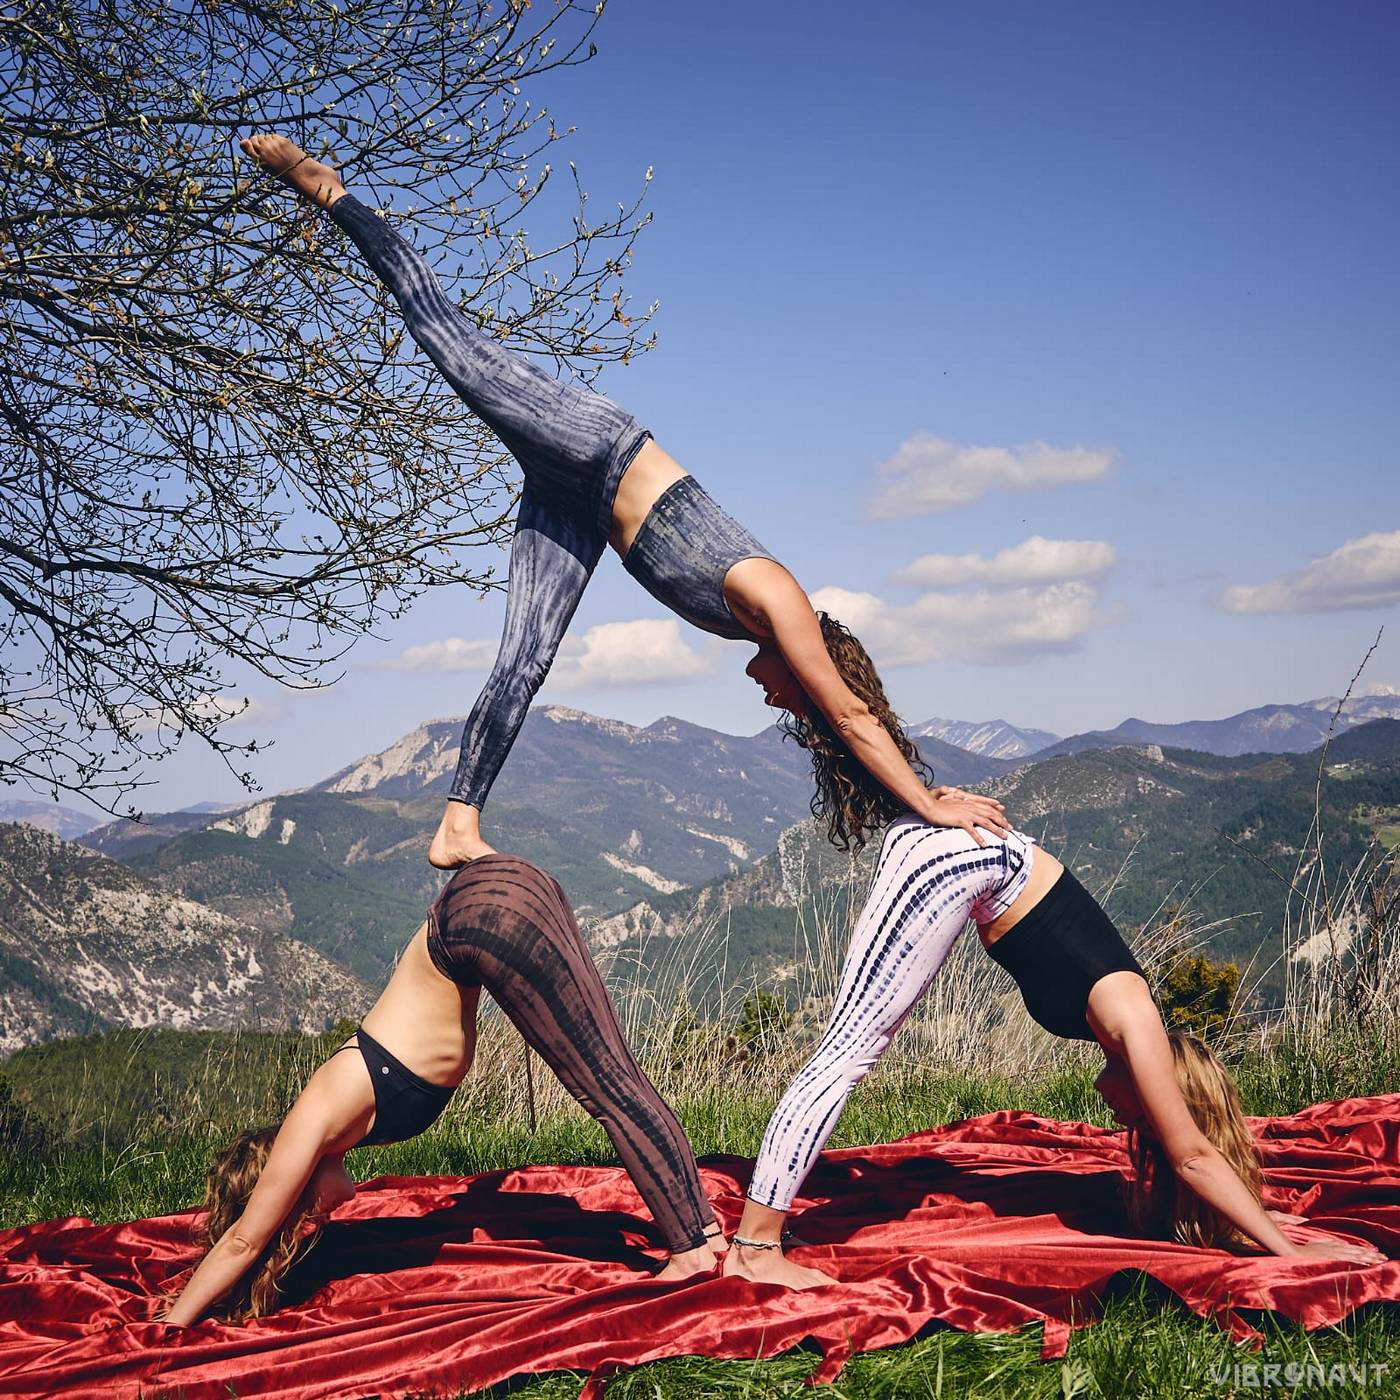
{"points": [[755, 1244]]}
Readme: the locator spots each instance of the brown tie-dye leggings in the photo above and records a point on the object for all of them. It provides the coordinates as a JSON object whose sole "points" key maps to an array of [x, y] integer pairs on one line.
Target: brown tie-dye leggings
{"points": [[505, 925]]}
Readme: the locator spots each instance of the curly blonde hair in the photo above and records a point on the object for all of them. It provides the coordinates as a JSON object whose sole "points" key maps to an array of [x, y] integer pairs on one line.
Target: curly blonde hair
{"points": [[1159, 1202], [231, 1180], [852, 803]]}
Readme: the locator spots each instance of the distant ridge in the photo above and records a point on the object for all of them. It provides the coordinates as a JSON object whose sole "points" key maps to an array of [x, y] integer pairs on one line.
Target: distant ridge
{"points": [[425, 758], [1265, 729], [51, 817]]}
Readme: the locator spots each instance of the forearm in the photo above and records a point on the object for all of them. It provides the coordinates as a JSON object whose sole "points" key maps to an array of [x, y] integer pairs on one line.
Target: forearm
{"points": [[1212, 1178], [870, 743], [218, 1271]]}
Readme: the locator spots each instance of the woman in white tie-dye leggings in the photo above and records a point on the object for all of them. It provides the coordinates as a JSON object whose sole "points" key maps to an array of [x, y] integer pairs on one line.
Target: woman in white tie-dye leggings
{"points": [[1195, 1175]]}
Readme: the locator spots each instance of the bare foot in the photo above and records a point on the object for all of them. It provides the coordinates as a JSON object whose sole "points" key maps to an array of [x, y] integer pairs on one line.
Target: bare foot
{"points": [[285, 159], [772, 1266], [688, 1265], [458, 838]]}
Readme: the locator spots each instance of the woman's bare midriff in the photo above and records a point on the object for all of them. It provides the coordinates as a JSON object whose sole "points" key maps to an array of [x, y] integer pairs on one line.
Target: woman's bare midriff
{"points": [[648, 474], [1045, 870], [423, 1018]]}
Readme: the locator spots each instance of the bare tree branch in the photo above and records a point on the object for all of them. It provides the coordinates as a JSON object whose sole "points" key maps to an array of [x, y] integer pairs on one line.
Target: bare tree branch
{"points": [[215, 445]]}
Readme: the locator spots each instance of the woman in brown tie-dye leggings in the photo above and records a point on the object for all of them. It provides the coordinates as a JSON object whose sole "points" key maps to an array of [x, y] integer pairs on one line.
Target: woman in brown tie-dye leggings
{"points": [[506, 925], [502, 924]]}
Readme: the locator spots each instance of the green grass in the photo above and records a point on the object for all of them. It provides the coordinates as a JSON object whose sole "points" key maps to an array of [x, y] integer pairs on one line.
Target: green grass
{"points": [[121, 1178], [107, 1146]]}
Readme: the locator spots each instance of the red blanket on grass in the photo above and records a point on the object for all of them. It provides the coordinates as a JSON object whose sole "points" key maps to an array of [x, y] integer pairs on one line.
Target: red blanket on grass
{"points": [[457, 1282]]}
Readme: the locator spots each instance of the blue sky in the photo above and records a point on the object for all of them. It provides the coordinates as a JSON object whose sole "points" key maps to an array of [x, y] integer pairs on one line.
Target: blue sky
{"points": [[1158, 240]]}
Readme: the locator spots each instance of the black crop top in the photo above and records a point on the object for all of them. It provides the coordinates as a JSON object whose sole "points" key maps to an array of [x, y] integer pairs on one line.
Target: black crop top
{"points": [[1058, 951], [404, 1103]]}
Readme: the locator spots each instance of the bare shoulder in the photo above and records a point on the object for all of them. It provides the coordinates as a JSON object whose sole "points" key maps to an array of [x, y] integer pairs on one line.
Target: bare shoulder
{"points": [[757, 589], [1121, 1012]]}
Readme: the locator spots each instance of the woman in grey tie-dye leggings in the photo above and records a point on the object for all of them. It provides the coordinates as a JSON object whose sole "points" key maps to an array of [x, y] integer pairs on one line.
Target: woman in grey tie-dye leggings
{"points": [[593, 476]]}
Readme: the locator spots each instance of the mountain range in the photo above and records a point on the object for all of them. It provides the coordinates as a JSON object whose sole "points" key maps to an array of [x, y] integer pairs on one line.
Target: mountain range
{"points": [[616, 811], [87, 944], [992, 738], [423, 758], [1157, 833], [1266, 729], [51, 817], [650, 829]]}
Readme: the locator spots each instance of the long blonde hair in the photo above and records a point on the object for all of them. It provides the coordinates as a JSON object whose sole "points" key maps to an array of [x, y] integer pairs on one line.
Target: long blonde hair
{"points": [[852, 803], [231, 1180], [1159, 1202]]}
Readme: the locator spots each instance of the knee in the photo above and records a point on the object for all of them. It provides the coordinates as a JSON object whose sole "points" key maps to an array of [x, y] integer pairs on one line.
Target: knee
{"points": [[591, 1106], [842, 1071], [516, 678], [854, 1069], [528, 675]]}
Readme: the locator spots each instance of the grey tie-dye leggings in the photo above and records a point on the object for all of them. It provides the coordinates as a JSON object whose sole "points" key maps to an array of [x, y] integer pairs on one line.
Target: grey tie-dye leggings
{"points": [[504, 924], [573, 446]]}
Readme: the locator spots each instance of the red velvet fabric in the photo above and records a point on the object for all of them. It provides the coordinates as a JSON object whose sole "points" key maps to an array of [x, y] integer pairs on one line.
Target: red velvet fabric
{"points": [[457, 1282]]}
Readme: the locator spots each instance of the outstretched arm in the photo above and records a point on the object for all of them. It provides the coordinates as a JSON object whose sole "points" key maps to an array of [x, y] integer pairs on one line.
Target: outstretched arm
{"points": [[787, 611], [1199, 1165], [313, 1127]]}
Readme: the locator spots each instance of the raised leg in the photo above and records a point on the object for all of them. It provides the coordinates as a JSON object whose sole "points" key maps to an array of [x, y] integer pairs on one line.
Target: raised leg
{"points": [[564, 436], [572, 444]]}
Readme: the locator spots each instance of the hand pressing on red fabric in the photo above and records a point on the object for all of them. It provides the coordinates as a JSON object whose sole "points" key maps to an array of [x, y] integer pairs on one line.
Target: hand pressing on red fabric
{"points": [[1349, 1251], [1313, 1242]]}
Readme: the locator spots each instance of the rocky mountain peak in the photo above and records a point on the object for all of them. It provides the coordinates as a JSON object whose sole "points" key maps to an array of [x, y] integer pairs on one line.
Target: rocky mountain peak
{"points": [[618, 729]]}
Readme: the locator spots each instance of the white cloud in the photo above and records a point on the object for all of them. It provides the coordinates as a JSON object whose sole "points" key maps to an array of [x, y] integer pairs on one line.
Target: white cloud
{"points": [[1362, 573], [227, 711], [643, 652], [1036, 560], [1032, 599], [929, 474], [987, 626], [613, 654], [252, 709], [450, 654]]}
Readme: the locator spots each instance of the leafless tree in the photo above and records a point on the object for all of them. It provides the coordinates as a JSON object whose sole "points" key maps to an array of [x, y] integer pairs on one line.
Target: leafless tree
{"points": [[218, 457]]}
